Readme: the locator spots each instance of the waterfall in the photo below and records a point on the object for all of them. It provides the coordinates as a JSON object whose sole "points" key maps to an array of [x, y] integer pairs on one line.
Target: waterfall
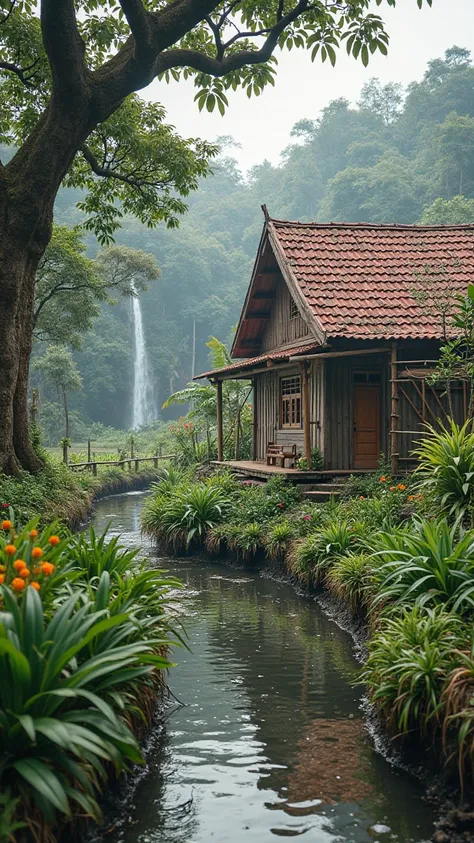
{"points": [[143, 411]]}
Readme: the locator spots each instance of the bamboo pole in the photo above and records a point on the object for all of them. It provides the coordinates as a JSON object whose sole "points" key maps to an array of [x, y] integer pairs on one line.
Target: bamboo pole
{"points": [[306, 414], [254, 420], [220, 432], [394, 415]]}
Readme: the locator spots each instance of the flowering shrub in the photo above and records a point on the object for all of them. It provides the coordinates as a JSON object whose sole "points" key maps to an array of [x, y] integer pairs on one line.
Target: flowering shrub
{"points": [[29, 559], [76, 670]]}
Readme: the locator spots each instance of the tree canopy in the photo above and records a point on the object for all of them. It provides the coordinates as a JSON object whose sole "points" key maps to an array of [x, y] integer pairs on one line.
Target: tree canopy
{"points": [[130, 160]]}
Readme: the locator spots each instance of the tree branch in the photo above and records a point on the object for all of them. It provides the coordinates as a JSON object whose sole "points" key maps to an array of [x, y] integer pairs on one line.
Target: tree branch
{"points": [[124, 73], [215, 67], [21, 72], [65, 49], [139, 22], [105, 172], [9, 13]]}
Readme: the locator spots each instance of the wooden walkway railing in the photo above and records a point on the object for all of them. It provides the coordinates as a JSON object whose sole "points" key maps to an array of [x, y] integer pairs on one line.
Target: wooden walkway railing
{"points": [[121, 463]]}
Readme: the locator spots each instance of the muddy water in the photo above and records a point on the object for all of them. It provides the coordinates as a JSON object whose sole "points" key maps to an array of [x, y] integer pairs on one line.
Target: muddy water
{"points": [[271, 740]]}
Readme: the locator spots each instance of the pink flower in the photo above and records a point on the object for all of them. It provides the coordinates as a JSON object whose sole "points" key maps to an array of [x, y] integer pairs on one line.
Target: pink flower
{"points": [[306, 517], [281, 505]]}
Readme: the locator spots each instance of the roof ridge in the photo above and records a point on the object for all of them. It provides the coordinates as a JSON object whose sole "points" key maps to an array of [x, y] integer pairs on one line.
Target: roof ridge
{"points": [[372, 225]]}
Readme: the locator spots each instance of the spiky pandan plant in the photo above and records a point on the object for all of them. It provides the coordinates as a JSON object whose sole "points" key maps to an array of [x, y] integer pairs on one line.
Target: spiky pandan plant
{"points": [[446, 467], [185, 515], [428, 563], [60, 704]]}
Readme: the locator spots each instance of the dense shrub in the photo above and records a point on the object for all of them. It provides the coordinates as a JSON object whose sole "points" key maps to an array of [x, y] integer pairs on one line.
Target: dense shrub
{"points": [[351, 578], [184, 515], [76, 671], [277, 539], [409, 659], [446, 466], [428, 563]]}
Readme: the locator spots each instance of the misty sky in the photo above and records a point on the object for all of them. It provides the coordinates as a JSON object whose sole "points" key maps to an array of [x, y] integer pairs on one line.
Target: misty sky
{"points": [[262, 124]]}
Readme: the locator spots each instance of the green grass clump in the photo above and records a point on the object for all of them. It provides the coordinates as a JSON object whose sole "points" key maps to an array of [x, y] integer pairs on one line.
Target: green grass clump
{"points": [[278, 538], [409, 660], [428, 563], [351, 578], [184, 515]]}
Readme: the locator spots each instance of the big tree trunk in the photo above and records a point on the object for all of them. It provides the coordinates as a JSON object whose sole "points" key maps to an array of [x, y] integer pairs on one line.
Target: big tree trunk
{"points": [[17, 279], [28, 188]]}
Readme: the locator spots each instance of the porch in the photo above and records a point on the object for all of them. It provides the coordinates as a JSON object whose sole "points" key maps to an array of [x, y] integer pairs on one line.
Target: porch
{"points": [[255, 469]]}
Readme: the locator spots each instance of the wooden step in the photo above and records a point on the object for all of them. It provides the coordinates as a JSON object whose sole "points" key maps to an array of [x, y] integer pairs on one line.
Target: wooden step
{"points": [[324, 487], [320, 495]]}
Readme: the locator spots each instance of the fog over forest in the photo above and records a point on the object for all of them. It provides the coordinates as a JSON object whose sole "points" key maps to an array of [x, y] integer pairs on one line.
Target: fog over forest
{"points": [[401, 154]]}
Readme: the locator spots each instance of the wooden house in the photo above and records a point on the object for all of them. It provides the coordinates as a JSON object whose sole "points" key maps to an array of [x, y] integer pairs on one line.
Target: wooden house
{"points": [[340, 331]]}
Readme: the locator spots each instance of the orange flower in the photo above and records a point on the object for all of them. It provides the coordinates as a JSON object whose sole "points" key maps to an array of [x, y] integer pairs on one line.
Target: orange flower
{"points": [[392, 488], [6, 525], [35, 585], [18, 584], [411, 497], [383, 480], [362, 498], [10, 549], [25, 573], [33, 534], [2, 578], [401, 487], [19, 564], [2, 569], [47, 568], [53, 540], [36, 553]]}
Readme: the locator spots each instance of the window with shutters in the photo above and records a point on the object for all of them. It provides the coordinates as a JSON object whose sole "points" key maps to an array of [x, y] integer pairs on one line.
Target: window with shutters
{"points": [[290, 402]]}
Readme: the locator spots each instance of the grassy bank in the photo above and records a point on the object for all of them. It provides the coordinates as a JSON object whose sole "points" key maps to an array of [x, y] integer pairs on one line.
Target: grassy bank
{"points": [[399, 555], [57, 493]]}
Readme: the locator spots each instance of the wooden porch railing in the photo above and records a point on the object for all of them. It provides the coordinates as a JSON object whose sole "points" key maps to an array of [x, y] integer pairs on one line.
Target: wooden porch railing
{"points": [[92, 465]]}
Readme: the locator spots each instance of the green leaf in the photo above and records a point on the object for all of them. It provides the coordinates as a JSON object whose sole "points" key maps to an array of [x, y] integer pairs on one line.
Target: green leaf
{"points": [[42, 779]]}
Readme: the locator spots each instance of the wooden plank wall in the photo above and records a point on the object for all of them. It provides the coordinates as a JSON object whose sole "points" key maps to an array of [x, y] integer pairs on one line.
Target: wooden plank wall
{"points": [[280, 329], [268, 410], [338, 412], [410, 419]]}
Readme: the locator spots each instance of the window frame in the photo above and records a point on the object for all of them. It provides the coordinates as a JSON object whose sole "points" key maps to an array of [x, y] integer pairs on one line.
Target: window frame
{"points": [[291, 407]]}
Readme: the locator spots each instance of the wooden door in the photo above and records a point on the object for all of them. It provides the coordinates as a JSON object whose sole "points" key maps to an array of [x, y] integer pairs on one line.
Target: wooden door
{"points": [[366, 436]]}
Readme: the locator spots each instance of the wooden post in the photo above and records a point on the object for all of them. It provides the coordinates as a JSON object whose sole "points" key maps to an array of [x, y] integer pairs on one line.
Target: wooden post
{"points": [[132, 447], [94, 469], [394, 414], [155, 461], [220, 432], [88, 450], [254, 420], [306, 414], [65, 447]]}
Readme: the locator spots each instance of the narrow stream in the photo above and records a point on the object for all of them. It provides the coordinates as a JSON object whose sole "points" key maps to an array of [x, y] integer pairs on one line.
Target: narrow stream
{"points": [[271, 740]]}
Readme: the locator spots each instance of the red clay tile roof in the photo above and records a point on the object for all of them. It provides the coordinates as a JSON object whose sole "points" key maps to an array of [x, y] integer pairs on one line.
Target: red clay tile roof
{"points": [[250, 362], [360, 280]]}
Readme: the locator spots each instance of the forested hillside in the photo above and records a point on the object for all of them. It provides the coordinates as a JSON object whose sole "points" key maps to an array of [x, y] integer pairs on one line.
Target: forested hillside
{"points": [[397, 156]]}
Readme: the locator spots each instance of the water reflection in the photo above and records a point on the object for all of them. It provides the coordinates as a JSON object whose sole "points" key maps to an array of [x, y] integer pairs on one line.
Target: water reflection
{"points": [[271, 741]]}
